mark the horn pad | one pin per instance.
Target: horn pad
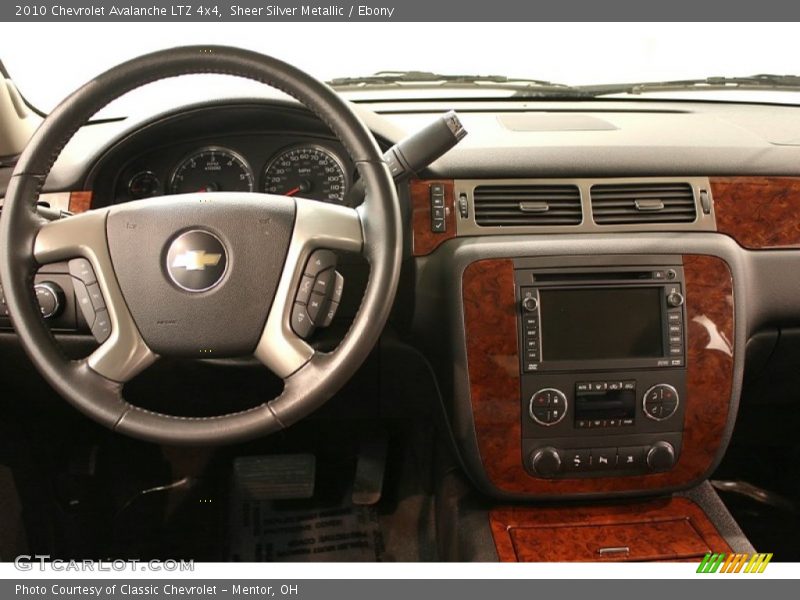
(199, 272)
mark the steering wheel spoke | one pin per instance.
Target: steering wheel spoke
(317, 226)
(123, 353)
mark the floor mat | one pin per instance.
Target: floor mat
(264, 531)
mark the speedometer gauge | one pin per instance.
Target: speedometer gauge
(212, 169)
(308, 171)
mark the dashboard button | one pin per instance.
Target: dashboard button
(547, 406)
(604, 458)
(82, 269)
(102, 326)
(630, 457)
(577, 460)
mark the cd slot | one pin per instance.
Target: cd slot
(594, 276)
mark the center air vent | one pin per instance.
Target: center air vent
(527, 205)
(626, 204)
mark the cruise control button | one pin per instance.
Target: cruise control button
(319, 261)
(82, 269)
(304, 289)
(84, 302)
(102, 326)
(96, 296)
(301, 322)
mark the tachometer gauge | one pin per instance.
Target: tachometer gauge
(212, 169)
(308, 171)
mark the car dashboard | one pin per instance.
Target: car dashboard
(590, 282)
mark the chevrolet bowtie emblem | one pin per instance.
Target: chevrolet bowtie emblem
(196, 260)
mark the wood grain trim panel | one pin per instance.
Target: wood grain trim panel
(493, 363)
(665, 529)
(424, 240)
(80, 202)
(758, 212)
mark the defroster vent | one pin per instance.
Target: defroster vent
(527, 205)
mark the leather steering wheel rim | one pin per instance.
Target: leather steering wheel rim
(305, 388)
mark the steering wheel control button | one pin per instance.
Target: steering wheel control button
(304, 290)
(548, 407)
(330, 313)
(320, 261)
(84, 302)
(96, 296)
(338, 287)
(302, 324)
(660, 402)
(316, 305)
(81, 268)
(196, 261)
(50, 297)
(102, 326)
(324, 282)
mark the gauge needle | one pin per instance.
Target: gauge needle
(292, 191)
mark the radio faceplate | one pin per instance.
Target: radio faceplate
(603, 365)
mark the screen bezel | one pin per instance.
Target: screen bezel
(663, 361)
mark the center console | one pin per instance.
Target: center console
(598, 375)
(603, 365)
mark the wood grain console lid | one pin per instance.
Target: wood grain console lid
(657, 530)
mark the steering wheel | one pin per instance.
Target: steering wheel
(149, 261)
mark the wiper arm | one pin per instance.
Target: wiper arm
(752, 82)
(425, 79)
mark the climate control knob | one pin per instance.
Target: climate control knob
(50, 297)
(661, 456)
(546, 462)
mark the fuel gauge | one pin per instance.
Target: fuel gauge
(144, 184)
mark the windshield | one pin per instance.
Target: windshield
(568, 54)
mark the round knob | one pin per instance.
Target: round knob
(50, 297)
(660, 402)
(675, 299)
(530, 303)
(546, 462)
(661, 457)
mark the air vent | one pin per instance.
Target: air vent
(626, 204)
(527, 205)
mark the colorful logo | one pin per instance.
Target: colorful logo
(734, 563)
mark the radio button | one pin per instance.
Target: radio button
(604, 458)
(577, 460)
(675, 350)
(546, 462)
(614, 386)
(628, 385)
(631, 457)
(583, 386)
(675, 299)
(674, 317)
(599, 386)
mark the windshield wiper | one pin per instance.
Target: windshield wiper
(752, 82)
(425, 79)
